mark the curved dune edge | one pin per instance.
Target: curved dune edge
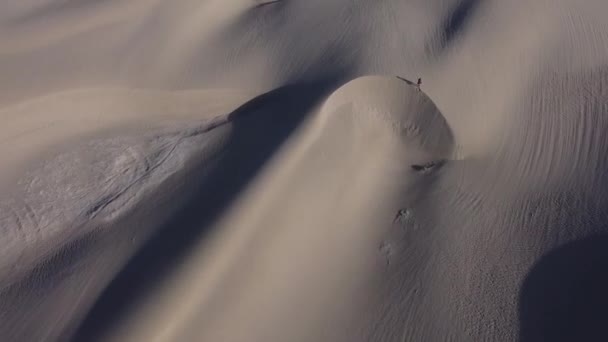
(410, 112)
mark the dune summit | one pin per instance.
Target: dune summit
(233, 170)
(398, 103)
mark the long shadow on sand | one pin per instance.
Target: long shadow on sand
(259, 127)
(565, 295)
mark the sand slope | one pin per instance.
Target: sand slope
(235, 170)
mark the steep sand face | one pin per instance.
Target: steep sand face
(236, 170)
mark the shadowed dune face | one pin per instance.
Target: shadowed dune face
(257, 129)
(565, 295)
(456, 21)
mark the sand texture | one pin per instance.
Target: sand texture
(244, 170)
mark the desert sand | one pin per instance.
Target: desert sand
(240, 170)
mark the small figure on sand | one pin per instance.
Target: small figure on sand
(419, 84)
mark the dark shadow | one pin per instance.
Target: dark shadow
(259, 127)
(272, 2)
(565, 295)
(406, 80)
(456, 20)
(428, 167)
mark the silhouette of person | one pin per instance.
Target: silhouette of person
(419, 83)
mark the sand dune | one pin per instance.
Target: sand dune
(237, 170)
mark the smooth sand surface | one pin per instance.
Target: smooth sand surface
(240, 170)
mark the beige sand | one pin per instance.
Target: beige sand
(239, 170)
